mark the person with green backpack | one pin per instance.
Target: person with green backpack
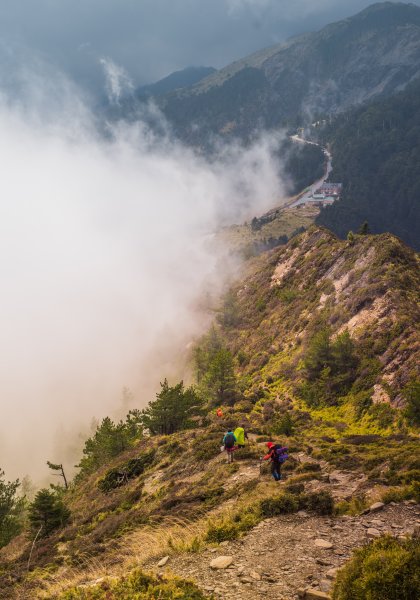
(241, 436)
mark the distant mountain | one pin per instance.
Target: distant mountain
(375, 53)
(376, 152)
(177, 80)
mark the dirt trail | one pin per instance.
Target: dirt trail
(280, 555)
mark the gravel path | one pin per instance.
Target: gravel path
(283, 554)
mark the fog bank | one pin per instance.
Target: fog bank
(105, 260)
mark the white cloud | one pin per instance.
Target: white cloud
(118, 82)
(104, 258)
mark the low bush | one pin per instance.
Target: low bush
(308, 467)
(355, 506)
(207, 448)
(295, 488)
(398, 494)
(136, 585)
(119, 476)
(230, 528)
(386, 569)
(279, 505)
(321, 503)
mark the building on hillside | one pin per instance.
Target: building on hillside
(330, 189)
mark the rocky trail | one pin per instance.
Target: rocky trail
(283, 555)
(291, 556)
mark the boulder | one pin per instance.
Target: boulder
(316, 595)
(221, 562)
(319, 543)
(373, 533)
(163, 561)
(376, 507)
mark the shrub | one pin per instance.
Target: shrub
(411, 394)
(309, 467)
(295, 488)
(231, 528)
(403, 493)
(137, 585)
(119, 476)
(386, 569)
(283, 426)
(284, 504)
(321, 503)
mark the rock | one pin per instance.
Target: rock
(302, 513)
(225, 543)
(246, 580)
(376, 506)
(315, 595)
(377, 522)
(325, 585)
(373, 533)
(163, 561)
(331, 573)
(323, 544)
(221, 562)
(255, 575)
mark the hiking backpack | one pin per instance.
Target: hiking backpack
(229, 440)
(280, 453)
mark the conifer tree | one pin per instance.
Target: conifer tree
(47, 512)
(11, 509)
(172, 410)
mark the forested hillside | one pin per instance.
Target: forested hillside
(376, 152)
(372, 54)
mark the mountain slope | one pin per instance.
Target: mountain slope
(374, 53)
(349, 447)
(179, 79)
(368, 287)
(376, 153)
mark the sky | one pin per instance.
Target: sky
(152, 38)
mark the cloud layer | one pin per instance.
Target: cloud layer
(105, 258)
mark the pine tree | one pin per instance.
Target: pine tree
(172, 410)
(220, 382)
(11, 510)
(47, 512)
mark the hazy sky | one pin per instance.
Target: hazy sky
(151, 38)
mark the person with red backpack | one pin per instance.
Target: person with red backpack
(229, 441)
(277, 454)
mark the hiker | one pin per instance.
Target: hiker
(219, 412)
(241, 436)
(277, 454)
(229, 444)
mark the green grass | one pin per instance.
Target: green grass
(136, 586)
(386, 569)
